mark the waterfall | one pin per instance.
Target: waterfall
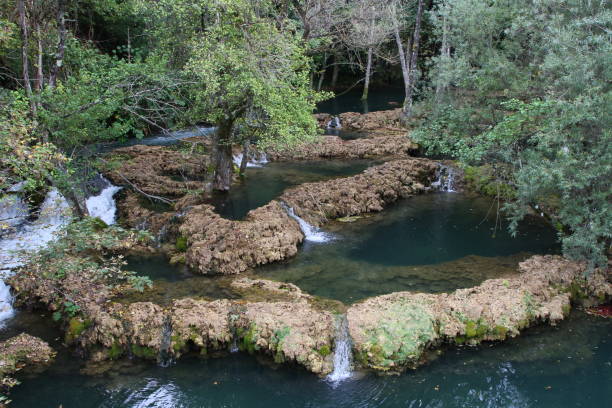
(30, 237)
(13, 211)
(334, 123)
(445, 179)
(311, 233)
(103, 205)
(259, 160)
(164, 358)
(343, 354)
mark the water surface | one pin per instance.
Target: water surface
(382, 98)
(430, 243)
(569, 365)
(262, 185)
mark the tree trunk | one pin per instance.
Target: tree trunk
(366, 85)
(61, 43)
(402, 58)
(222, 156)
(335, 73)
(408, 101)
(444, 54)
(245, 157)
(39, 60)
(23, 25)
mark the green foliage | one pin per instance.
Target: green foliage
(526, 91)
(181, 244)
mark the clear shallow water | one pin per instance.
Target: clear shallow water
(378, 99)
(262, 185)
(429, 243)
(548, 367)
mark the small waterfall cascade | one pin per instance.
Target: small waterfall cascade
(311, 233)
(164, 358)
(445, 179)
(13, 211)
(334, 123)
(103, 205)
(258, 159)
(30, 236)
(343, 354)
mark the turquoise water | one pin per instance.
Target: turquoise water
(262, 185)
(431, 243)
(548, 367)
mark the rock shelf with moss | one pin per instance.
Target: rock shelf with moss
(393, 332)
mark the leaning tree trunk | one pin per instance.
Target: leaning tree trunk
(245, 157)
(222, 156)
(412, 65)
(335, 73)
(368, 73)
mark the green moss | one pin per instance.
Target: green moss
(145, 352)
(324, 350)
(566, 309)
(98, 224)
(460, 339)
(76, 326)
(482, 180)
(178, 344)
(181, 244)
(115, 351)
(576, 292)
(475, 330)
(249, 340)
(500, 332)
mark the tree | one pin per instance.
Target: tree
(254, 79)
(370, 28)
(527, 89)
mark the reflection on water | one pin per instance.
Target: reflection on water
(378, 99)
(262, 185)
(549, 367)
(429, 243)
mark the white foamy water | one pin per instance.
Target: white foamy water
(13, 211)
(30, 237)
(445, 179)
(259, 161)
(103, 205)
(343, 354)
(311, 233)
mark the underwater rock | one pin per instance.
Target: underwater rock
(22, 351)
(333, 147)
(392, 332)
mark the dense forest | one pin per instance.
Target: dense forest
(513, 96)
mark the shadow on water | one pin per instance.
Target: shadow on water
(547, 367)
(379, 99)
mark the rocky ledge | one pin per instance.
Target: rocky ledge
(372, 121)
(269, 234)
(333, 147)
(393, 332)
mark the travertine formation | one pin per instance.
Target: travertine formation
(390, 144)
(392, 332)
(372, 121)
(268, 234)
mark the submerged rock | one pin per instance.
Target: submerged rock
(392, 332)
